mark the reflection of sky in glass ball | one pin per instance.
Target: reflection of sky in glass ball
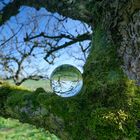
(66, 81)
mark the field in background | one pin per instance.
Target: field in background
(33, 85)
(11, 129)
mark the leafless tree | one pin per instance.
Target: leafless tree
(24, 41)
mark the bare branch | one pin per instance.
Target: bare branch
(27, 38)
(11, 37)
(79, 38)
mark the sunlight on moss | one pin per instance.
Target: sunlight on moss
(11, 86)
(118, 118)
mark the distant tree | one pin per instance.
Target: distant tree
(28, 41)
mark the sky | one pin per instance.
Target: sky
(42, 21)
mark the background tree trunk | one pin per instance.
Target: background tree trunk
(114, 57)
(119, 24)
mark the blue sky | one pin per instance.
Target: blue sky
(42, 16)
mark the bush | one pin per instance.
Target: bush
(39, 90)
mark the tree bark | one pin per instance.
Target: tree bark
(71, 8)
(120, 21)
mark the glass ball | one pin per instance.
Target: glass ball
(66, 81)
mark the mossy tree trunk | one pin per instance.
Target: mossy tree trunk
(119, 22)
(108, 107)
(115, 51)
(113, 62)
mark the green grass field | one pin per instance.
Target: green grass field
(33, 85)
(11, 129)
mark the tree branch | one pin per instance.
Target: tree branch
(72, 9)
(42, 34)
(79, 38)
(11, 37)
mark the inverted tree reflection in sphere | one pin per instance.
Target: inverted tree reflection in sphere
(66, 80)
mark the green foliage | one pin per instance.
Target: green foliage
(11, 129)
(39, 90)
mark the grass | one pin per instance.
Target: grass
(33, 85)
(11, 129)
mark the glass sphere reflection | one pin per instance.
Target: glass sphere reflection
(66, 80)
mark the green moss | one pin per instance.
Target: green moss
(103, 65)
(108, 107)
(110, 93)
